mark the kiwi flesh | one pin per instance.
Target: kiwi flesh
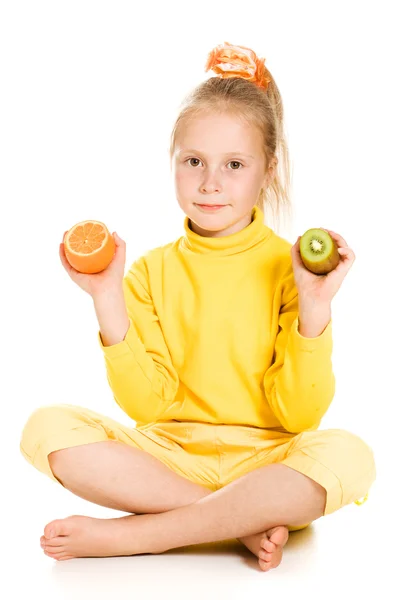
(319, 251)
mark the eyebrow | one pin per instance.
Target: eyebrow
(192, 150)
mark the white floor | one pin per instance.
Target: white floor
(353, 551)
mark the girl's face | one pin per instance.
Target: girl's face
(219, 162)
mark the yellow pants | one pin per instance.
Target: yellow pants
(212, 455)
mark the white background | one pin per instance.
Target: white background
(89, 93)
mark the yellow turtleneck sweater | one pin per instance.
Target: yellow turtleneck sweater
(214, 338)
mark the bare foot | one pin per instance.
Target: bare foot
(267, 546)
(79, 536)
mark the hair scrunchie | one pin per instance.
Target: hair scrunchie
(227, 60)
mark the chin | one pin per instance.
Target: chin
(210, 221)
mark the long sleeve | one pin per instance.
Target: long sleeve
(139, 368)
(300, 383)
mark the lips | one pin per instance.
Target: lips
(211, 206)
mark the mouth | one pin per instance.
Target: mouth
(210, 207)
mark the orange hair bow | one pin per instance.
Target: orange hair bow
(227, 60)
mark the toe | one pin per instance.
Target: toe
(53, 551)
(267, 545)
(56, 542)
(266, 556)
(278, 535)
(61, 556)
(264, 565)
(53, 554)
(55, 528)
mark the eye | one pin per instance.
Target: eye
(189, 159)
(236, 162)
(233, 162)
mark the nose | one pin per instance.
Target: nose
(210, 184)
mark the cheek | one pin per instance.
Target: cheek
(183, 178)
(179, 176)
(245, 183)
(254, 182)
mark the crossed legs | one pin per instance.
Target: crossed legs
(119, 476)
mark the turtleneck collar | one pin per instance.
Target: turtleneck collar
(248, 237)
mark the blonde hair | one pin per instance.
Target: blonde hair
(257, 106)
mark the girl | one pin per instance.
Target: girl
(218, 345)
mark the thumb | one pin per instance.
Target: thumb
(120, 245)
(119, 241)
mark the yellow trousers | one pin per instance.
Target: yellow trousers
(212, 455)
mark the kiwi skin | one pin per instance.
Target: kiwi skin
(315, 261)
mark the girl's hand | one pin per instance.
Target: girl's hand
(97, 283)
(321, 288)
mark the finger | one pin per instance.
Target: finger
(119, 241)
(338, 238)
(347, 254)
(120, 247)
(70, 270)
(347, 257)
(62, 256)
(341, 242)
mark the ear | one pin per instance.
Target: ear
(271, 172)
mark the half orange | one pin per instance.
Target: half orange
(89, 246)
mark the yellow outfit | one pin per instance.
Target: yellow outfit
(215, 373)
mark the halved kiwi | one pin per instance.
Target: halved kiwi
(318, 251)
